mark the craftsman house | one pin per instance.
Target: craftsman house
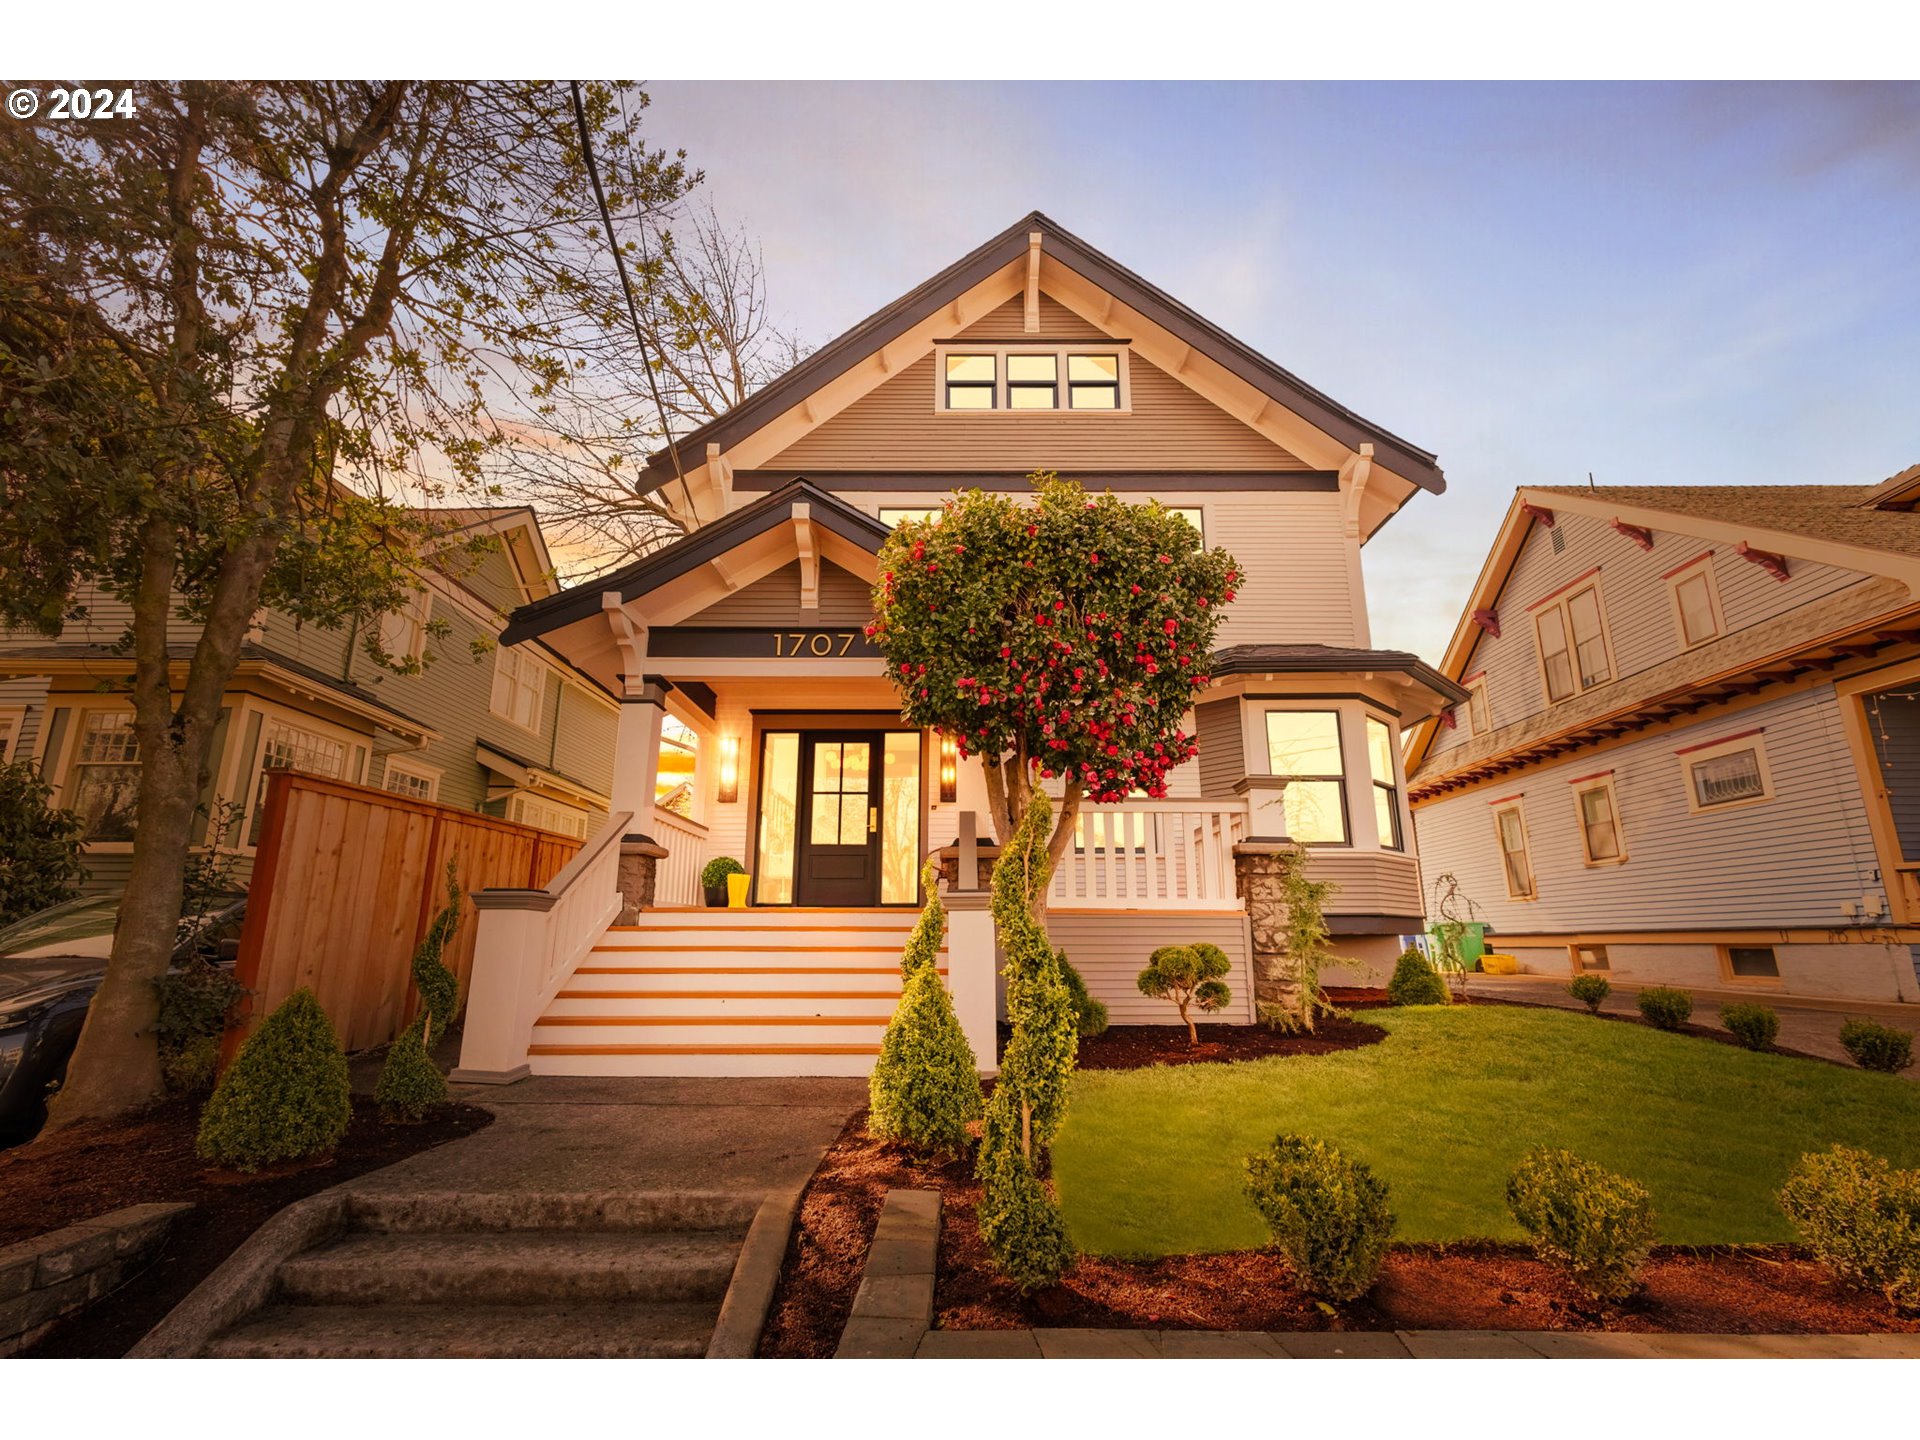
(513, 733)
(1034, 351)
(1690, 752)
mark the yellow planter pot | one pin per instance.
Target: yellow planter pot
(1496, 964)
(737, 891)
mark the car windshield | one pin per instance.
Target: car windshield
(78, 928)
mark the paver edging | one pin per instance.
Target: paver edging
(756, 1273)
(893, 1308)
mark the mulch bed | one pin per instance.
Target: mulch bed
(90, 1170)
(1751, 1290)
(1129, 1047)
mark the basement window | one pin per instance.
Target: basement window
(1751, 962)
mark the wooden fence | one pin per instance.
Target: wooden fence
(345, 881)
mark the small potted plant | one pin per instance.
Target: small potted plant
(713, 878)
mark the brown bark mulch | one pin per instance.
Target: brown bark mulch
(1476, 1286)
(1129, 1047)
(92, 1169)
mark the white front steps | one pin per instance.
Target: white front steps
(729, 992)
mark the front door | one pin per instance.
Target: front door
(839, 849)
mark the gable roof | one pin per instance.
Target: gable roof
(841, 354)
(1842, 514)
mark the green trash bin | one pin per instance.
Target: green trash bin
(1473, 943)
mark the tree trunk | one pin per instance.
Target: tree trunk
(1193, 1035)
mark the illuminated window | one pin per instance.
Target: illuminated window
(1033, 382)
(1386, 795)
(971, 382)
(1031, 377)
(673, 781)
(1303, 747)
(1093, 382)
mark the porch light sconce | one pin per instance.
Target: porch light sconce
(729, 769)
(949, 770)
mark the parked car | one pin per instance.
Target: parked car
(50, 965)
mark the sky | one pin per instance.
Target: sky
(1654, 284)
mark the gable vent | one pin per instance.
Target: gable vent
(1559, 540)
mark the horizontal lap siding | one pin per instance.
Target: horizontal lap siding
(1009, 322)
(29, 695)
(1110, 951)
(1369, 883)
(1170, 428)
(1223, 759)
(845, 599)
(1791, 861)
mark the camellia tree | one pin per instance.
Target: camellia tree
(1060, 639)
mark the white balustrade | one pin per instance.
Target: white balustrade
(527, 945)
(676, 879)
(1146, 854)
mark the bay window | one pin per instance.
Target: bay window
(1386, 793)
(105, 781)
(1303, 748)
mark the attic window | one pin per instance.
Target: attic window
(1054, 377)
(971, 382)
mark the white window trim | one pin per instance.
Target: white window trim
(396, 765)
(1000, 349)
(1699, 566)
(1690, 756)
(1497, 808)
(70, 766)
(521, 798)
(415, 612)
(525, 656)
(270, 715)
(13, 724)
(1579, 788)
(1560, 600)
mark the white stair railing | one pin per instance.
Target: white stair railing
(1151, 854)
(527, 945)
(676, 879)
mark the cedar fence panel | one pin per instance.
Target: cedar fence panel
(345, 882)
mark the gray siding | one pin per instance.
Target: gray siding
(1795, 860)
(28, 693)
(845, 599)
(1634, 593)
(1110, 951)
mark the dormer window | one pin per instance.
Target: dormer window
(1093, 382)
(1033, 382)
(972, 382)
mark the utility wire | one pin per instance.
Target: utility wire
(626, 288)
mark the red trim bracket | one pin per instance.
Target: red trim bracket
(1449, 719)
(1541, 514)
(1489, 621)
(1774, 565)
(1638, 534)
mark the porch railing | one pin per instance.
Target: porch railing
(527, 943)
(1148, 853)
(676, 880)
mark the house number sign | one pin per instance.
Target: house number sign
(791, 644)
(834, 642)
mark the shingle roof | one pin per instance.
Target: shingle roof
(1331, 659)
(1839, 513)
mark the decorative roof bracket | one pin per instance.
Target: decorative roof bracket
(1638, 534)
(1774, 565)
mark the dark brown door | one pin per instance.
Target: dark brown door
(839, 860)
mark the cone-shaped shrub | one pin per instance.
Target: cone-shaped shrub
(439, 987)
(1020, 1221)
(1089, 1013)
(925, 1089)
(923, 945)
(410, 1084)
(1416, 982)
(286, 1095)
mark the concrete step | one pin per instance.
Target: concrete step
(703, 1059)
(514, 1267)
(651, 1211)
(720, 1007)
(577, 1331)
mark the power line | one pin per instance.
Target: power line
(626, 289)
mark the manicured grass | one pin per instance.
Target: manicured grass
(1150, 1160)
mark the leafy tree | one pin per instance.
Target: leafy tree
(235, 330)
(285, 1097)
(1189, 976)
(40, 861)
(925, 1087)
(1067, 637)
(1309, 945)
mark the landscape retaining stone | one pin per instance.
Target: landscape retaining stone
(45, 1279)
(893, 1308)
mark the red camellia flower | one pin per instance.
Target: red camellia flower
(1170, 625)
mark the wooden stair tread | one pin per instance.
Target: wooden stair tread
(743, 970)
(687, 1020)
(728, 995)
(703, 1049)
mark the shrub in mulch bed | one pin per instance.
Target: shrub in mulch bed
(91, 1169)
(1479, 1286)
(1130, 1047)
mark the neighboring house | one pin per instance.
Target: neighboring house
(513, 733)
(740, 648)
(1691, 748)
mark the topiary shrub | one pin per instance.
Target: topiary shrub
(1022, 1226)
(925, 1088)
(1595, 1225)
(923, 944)
(1874, 1046)
(1754, 1026)
(1665, 1008)
(1090, 1014)
(1416, 982)
(1590, 991)
(1861, 1219)
(410, 1085)
(439, 987)
(1189, 976)
(1328, 1214)
(286, 1095)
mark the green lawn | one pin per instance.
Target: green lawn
(1150, 1160)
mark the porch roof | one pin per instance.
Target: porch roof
(1434, 689)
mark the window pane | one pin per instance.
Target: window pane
(1479, 717)
(826, 820)
(1596, 818)
(853, 770)
(1030, 397)
(970, 367)
(1093, 367)
(826, 767)
(899, 514)
(1303, 742)
(109, 737)
(979, 397)
(1380, 750)
(1696, 610)
(1753, 960)
(105, 798)
(1192, 515)
(900, 819)
(1314, 813)
(1033, 367)
(1095, 397)
(1584, 610)
(1726, 778)
(1386, 817)
(779, 799)
(853, 819)
(1593, 957)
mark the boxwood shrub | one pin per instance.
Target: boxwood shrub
(1590, 991)
(1754, 1026)
(285, 1097)
(1328, 1214)
(1591, 1223)
(1874, 1046)
(410, 1086)
(1416, 982)
(1861, 1219)
(1666, 1008)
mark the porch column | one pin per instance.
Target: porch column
(636, 754)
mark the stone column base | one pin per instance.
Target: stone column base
(640, 859)
(1259, 873)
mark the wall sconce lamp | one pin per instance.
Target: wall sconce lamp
(729, 769)
(949, 770)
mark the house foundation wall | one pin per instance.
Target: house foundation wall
(1859, 971)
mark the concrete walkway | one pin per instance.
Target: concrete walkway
(580, 1134)
(1400, 1345)
(1809, 1025)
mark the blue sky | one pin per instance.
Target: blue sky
(1654, 283)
